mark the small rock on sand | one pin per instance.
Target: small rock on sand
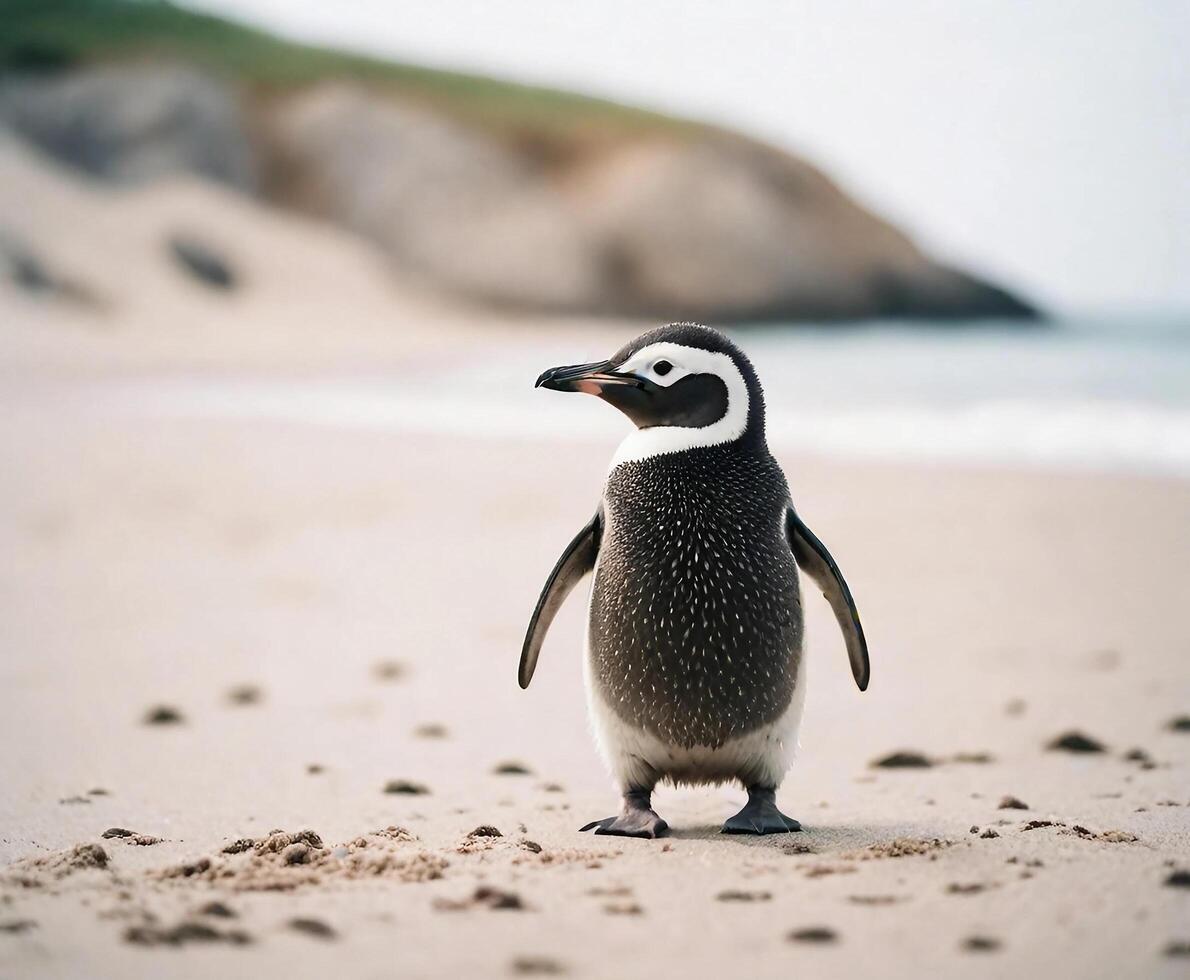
(389, 670)
(819, 935)
(512, 768)
(497, 898)
(218, 910)
(965, 888)
(202, 262)
(296, 854)
(1012, 803)
(312, 927)
(1179, 949)
(1075, 741)
(245, 694)
(430, 730)
(980, 944)
(1179, 724)
(130, 837)
(485, 830)
(1141, 758)
(904, 759)
(537, 966)
(182, 934)
(733, 895)
(485, 896)
(16, 926)
(163, 714)
(405, 787)
(1178, 879)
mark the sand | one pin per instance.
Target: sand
(259, 712)
(166, 563)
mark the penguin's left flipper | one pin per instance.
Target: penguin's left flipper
(576, 561)
(813, 558)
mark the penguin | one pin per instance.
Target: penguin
(693, 659)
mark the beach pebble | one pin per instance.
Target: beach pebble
(405, 787)
(312, 927)
(296, 854)
(980, 944)
(813, 934)
(163, 714)
(904, 759)
(1075, 741)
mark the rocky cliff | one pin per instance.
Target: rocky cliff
(500, 194)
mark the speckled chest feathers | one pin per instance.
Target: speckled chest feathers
(696, 619)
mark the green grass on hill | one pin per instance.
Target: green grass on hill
(54, 34)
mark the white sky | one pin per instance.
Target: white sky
(1046, 143)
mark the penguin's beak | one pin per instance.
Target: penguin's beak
(591, 379)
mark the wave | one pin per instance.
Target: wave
(1103, 435)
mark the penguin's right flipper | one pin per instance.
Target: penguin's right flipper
(813, 558)
(576, 561)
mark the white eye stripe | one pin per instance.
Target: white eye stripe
(660, 439)
(644, 361)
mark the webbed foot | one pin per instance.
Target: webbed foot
(636, 819)
(760, 815)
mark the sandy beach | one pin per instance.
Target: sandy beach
(329, 614)
(258, 694)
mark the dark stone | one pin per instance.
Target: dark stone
(1012, 803)
(313, 927)
(813, 934)
(512, 769)
(1077, 742)
(202, 262)
(163, 714)
(903, 760)
(405, 787)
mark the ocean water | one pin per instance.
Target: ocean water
(1104, 395)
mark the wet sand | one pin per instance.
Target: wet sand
(219, 629)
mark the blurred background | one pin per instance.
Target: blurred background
(952, 232)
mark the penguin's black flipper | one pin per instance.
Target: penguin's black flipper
(578, 559)
(813, 558)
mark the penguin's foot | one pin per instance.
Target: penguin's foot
(636, 819)
(761, 816)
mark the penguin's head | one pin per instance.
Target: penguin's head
(683, 385)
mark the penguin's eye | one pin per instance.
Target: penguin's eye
(662, 368)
